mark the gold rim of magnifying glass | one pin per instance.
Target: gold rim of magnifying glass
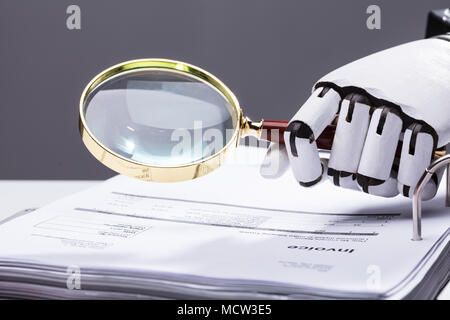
(140, 170)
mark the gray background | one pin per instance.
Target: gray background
(269, 52)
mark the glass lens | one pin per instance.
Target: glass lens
(159, 117)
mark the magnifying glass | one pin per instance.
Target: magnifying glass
(166, 121)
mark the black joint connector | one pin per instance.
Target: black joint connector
(353, 98)
(416, 128)
(337, 174)
(298, 129)
(323, 92)
(406, 191)
(382, 121)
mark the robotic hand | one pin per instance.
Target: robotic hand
(399, 94)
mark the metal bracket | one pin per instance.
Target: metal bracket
(417, 196)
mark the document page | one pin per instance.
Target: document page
(236, 231)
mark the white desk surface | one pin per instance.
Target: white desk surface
(17, 195)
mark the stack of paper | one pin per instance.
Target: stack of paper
(231, 234)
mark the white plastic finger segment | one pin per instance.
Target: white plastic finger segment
(275, 162)
(351, 130)
(417, 150)
(305, 127)
(305, 161)
(381, 143)
(349, 182)
(432, 186)
(319, 110)
(430, 189)
(386, 189)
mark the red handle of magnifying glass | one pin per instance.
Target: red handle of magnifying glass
(324, 141)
